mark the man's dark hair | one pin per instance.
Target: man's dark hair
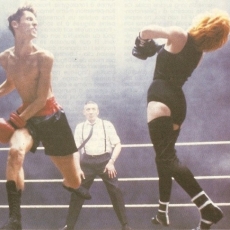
(17, 16)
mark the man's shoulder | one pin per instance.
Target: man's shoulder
(80, 125)
(108, 123)
(4, 56)
(7, 52)
(43, 53)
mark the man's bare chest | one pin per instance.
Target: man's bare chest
(23, 69)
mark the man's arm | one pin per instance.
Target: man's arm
(6, 127)
(116, 152)
(8, 85)
(175, 36)
(77, 134)
(45, 64)
(110, 168)
(115, 141)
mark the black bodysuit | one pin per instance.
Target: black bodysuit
(171, 72)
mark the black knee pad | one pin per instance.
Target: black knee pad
(160, 127)
(163, 137)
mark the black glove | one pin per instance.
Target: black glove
(145, 48)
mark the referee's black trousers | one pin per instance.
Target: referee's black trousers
(92, 167)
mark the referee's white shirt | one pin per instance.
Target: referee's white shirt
(96, 144)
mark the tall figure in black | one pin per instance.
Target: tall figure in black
(166, 110)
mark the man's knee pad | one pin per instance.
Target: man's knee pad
(163, 137)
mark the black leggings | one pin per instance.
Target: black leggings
(164, 138)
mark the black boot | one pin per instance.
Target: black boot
(14, 201)
(162, 214)
(210, 213)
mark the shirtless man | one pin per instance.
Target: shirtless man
(39, 118)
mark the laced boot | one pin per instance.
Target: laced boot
(162, 214)
(210, 213)
(14, 201)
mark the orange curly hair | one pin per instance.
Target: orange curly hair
(210, 30)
